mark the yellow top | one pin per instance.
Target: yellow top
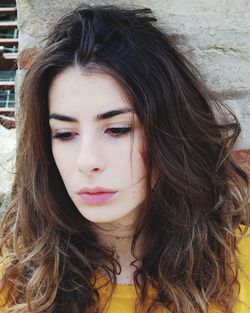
(124, 296)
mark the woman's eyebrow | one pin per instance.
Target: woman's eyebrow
(113, 113)
(62, 117)
(102, 116)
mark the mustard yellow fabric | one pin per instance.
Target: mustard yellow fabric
(243, 305)
(124, 296)
(5, 291)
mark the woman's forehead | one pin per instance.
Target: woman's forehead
(95, 93)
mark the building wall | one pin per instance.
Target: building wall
(214, 35)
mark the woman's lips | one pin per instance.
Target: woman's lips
(96, 198)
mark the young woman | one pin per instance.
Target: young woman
(126, 197)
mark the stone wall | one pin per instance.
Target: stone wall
(7, 158)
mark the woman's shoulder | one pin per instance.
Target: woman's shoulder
(244, 246)
(4, 290)
(243, 305)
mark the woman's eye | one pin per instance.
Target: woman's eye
(64, 136)
(119, 131)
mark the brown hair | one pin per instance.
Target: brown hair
(190, 216)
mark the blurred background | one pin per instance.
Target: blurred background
(8, 67)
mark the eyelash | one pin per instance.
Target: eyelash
(122, 131)
(116, 131)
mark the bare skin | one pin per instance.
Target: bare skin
(119, 234)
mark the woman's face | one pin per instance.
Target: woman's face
(92, 126)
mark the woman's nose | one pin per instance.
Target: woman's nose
(90, 157)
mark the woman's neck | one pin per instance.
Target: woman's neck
(121, 241)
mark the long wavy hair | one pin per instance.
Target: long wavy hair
(190, 216)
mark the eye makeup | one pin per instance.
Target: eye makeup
(119, 131)
(64, 136)
(115, 132)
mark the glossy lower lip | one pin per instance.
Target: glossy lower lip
(96, 198)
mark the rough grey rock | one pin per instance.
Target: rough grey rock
(7, 157)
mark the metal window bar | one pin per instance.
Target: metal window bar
(7, 14)
(7, 75)
(12, 49)
(10, 33)
(7, 99)
(7, 5)
(15, 35)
